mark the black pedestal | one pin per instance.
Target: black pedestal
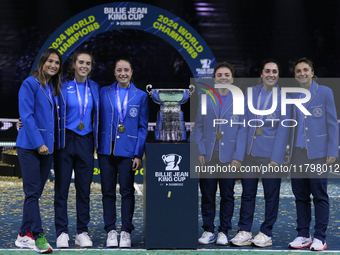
(170, 197)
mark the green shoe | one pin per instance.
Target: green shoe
(42, 246)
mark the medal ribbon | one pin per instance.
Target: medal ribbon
(121, 112)
(82, 109)
(266, 102)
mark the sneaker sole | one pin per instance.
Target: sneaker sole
(85, 246)
(324, 248)
(300, 247)
(112, 245)
(62, 246)
(241, 244)
(202, 243)
(220, 243)
(262, 245)
(49, 250)
(20, 245)
(124, 246)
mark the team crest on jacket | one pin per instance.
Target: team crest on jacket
(317, 112)
(133, 112)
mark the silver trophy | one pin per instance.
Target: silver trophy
(170, 125)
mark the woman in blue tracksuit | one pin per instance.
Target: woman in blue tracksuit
(123, 128)
(76, 140)
(37, 103)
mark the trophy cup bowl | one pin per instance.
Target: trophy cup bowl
(170, 125)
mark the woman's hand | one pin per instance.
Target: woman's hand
(43, 150)
(137, 163)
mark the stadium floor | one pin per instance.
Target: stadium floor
(11, 200)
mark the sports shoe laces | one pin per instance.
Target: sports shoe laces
(41, 240)
(261, 236)
(112, 235)
(86, 235)
(240, 234)
(64, 235)
(300, 239)
(125, 236)
(205, 234)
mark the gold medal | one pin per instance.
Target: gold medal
(259, 131)
(81, 126)
(219, 136)
(121, 128)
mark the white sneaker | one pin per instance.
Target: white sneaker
(301, 242)
(262, 240)
(222, 239)
(206, 238)
(83, 240)
(125, 240)
(62, 240)
(242, 238)
(111, 240)
(26, 241)
(318, 245)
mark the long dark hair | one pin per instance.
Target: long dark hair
(41, 76)
(71, 71)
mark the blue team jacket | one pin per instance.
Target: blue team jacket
(321, 129)
(37, 114)
(130, 143)
(232, 145)
(273, 142)
(61, 134)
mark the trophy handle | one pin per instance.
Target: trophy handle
(148, 89)
(191, 89)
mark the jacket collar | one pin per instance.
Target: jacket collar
(313, 88)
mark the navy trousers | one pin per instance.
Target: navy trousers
(35, 169)
(78, 154)
(208, 188)
(271, 188)
(303, 185)
(111, 166)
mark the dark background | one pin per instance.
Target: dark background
(242, 32)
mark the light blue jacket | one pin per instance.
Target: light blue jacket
(273, 142)
(321, 129)
(130, 143)
(61, 134)
(232, 145)
(37, 113)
